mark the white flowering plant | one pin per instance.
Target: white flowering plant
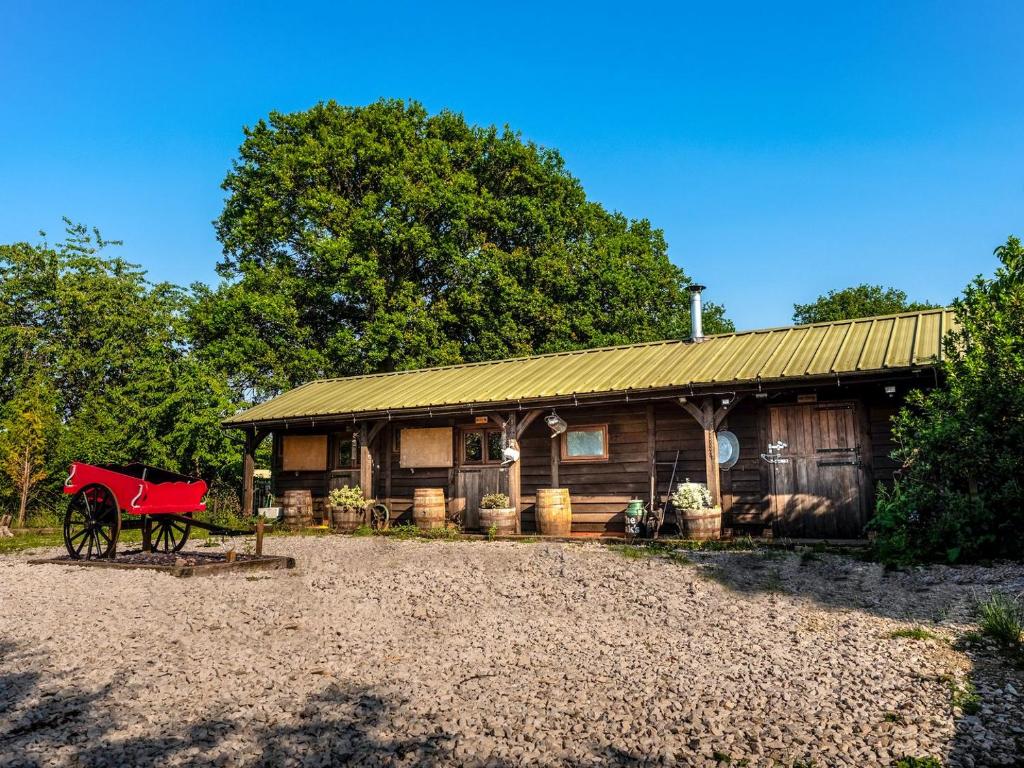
(691, 496)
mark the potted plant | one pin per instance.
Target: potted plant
(348, 508)
(698, 518)
(496, 516)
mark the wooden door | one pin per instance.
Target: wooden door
(473, 484)
(818, 491)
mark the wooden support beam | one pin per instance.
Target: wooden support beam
(652, 458)
(365, 461)
(724, 410)
(705, 415)
(528, 418)
(556, 457)
(386, 459)
(248, 469)
(515, 474)
(375, 430)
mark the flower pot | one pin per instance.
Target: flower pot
(503, 519)
(702, 524)
(347, 519)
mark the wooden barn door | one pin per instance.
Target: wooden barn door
(472, 485)
(820, 491)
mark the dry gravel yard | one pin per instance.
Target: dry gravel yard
(386, 652)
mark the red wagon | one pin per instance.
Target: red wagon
(107, 498)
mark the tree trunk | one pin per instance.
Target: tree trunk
(26, 481)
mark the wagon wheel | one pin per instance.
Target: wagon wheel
(92, 523)
(379, 517)
(169, 534)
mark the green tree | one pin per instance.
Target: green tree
(124, 383)
(27, 428)
(858, 301)
(374, 238)
(961, 494)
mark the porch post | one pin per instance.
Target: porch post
(514, 474)
(248, 468)
(710, 419)
(365, 462)
(711, 453)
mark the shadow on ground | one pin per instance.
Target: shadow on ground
(930, 598)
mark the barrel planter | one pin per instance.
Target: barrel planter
(554, 512)
(428, 508)
(347, 519)
(502, 519)
(702, 524)
(298, 509)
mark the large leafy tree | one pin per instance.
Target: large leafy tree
(373, 238)
(95, 365)
(857, 301)
(961, 494)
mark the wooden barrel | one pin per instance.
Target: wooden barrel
(428, 508)
(554, 512)
(702, 524)
(346, 520)
(298, 509)
(503, 520)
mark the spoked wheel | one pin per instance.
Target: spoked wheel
(168, 534)
(92, 523)
(379, 517)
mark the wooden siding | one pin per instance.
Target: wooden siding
(601, 490)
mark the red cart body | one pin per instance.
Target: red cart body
(140, 489)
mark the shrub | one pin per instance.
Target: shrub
(492, 532)
(494, 501)
(960, 496)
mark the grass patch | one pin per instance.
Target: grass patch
(446, 533)
(1001, 619)
(648, 551)
(24, 541)
(892, 717)
(363, 530)
(918, 762)
(809, 556)
(964, 696)
(912, 633)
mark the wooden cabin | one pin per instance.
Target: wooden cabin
(789, 427)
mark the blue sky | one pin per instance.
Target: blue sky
(784, 148)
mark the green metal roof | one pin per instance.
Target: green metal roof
(850, 347)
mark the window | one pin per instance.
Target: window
(481, 446)
(346, 450)
(588, 443)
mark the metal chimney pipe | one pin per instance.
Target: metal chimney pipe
(696, 313)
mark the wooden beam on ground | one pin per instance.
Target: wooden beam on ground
(526, 421)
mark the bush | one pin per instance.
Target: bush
(960, 496)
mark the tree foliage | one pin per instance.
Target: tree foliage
(961, 494)
(95, 364)
(360, 239)
(857, 301)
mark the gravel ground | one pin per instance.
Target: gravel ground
(384, 652)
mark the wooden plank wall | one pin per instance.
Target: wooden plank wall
(601, 490)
